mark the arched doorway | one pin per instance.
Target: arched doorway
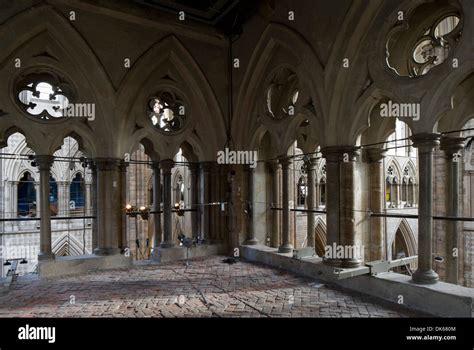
(404, 245)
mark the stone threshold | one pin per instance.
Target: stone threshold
(441, 299)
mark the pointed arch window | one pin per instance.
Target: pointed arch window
(392, 185)
(179, 189)
(302, 191)
(26, 194)
(322, 192)
(404, 194)
(53, 196)
(77, 193)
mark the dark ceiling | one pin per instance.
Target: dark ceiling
(223, 14)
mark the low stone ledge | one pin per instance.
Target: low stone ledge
(441, 299)
(179, 253)
(81, 264)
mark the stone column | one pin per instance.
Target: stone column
(251, 239)
(214, 198)
(333, 158)
(44, 164)
(452, 146)
(311, 200)
(167, 166)
(95, 236)
(347, 206)
(233, 239)
(157, 204)
(317, 194)
(225, 206)
(109, 209)
(38, 201)
(205, 219)
(193, 173)
(425, 143)
(87, 203)
(63, 202)
(14, 198)
(377, 202)
(275, 169)
(123, 241)
(286, 246)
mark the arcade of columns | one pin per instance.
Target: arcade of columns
(341, 166)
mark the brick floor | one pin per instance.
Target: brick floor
(207, 288)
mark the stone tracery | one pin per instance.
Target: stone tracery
(289, 200)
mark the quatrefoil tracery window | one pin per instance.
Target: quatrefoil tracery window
(44, 96)
(431, 46)
(282, 94)
(167, 112)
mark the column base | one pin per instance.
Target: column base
(252, 241)
(351, 263)
(332, 262)
(167, 245)
(106, 251)
(425, 277)
(46, 256)
(286, 248)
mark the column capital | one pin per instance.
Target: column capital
(284, 161)
(166, 165)
(222, 169)
(274, 165)
(92, 166)
(452, 145)
(375, 155)
(193, 167)
(248, 168)
(123, 166)
(107, 164)
(337, 153)
(44, 162)
(155, 166)
(206, 166)
(425, 142)
(310, 163)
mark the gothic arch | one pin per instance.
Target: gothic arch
(189, 151)
(272, 52)
(174, 69)
(81, 134)
(368, 121)
(14, 166)
(22, 173)
(52, 45)
(396, 166)
(432, 91)
(74, 174)
(461, 106)
(409, 163)
(11, 129)
(407, 236)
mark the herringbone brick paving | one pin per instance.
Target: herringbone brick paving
(207, 288)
